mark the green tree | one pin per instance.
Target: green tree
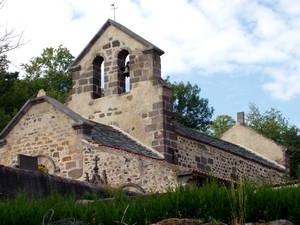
(220, 125)
(190, 109)
(273, 125)
(50, 72)
(7, 81)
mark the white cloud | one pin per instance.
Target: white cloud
(286, 82)
(233, 37)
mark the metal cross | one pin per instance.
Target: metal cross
(114, 8)
(96, 168)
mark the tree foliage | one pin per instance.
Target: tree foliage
(50, 72)
(190, 109)
(273, 125)
(7, 81)
(220, 125)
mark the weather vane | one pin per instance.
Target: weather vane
(114, 8)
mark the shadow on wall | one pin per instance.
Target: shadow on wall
(39, 185)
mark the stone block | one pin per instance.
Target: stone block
(157, 105)
(153, 113)
(151, 127)
(87, 88)
(75, 173)
(137, 73)
(203, 160)
(157, 119)
(116, 43)
(135, 80)
(200, 166)
(79, 90)
(142, 58)
(83, 81)
(66, 159)
(70, 165)
(106, 46)
(109, 52)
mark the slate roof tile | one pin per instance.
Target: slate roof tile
(111, 137)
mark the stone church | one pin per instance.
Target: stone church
(117, 126)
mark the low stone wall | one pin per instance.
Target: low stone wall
(37, 184)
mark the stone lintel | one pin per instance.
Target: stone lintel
(153, 49)
(83, 125)
(75, 68)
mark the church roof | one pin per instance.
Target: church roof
(219, 143)
(109, 22)
(109, 136)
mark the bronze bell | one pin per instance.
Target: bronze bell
(126, 70)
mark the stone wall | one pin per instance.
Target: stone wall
(222, 164)
(44, 131)
(122, 168)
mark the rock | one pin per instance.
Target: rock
(281, 222)
(275, 222)
(175, 221)
(119, 223)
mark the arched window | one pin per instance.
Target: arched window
(124, 72)
(98, 77)
(127, 78)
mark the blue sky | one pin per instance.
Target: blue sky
(237, 51)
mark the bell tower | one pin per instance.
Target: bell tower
(119, 58)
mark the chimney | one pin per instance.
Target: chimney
(240, 117)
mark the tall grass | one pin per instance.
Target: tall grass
(211, 202)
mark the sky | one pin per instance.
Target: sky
(237, 51)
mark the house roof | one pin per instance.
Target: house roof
(219, 143)
(258, 133)
(102, 134)
(108, 136)
(109, 22)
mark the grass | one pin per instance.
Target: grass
(212, 202)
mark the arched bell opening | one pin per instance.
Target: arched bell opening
(98, 78)
(126, 75)
(124, 71)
